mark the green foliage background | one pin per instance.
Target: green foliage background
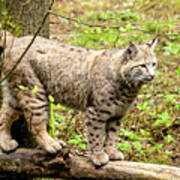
(151, 130)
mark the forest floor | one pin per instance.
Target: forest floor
(151, 130)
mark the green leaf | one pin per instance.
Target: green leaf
(145, 133)
(63, 107)
(35, 90)
(73, 141)
(98, 29)
(177, 106)
(126, 146)
(143, 106)
(137, 145)
(58, 117)
(83, 146)
(51, 99)
(104, 15)
(23, 88)
(157, 147)
(167, 152)
(178, 72)
(168, 139)
(164, 119)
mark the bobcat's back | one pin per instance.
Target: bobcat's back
(65, 71)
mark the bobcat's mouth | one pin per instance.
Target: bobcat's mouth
(148, 78)
(142, 79)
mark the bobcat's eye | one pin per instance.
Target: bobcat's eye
(154, 64)
(143, 65)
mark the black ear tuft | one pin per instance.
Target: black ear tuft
(153, 43)
(1, 49)
(131, 51)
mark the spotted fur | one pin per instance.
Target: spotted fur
(101, 83)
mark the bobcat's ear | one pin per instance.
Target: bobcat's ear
(153, 43)
(130, 52)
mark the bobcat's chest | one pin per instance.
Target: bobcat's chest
(121, 110)
(124, 103)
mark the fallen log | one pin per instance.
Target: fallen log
(29, 163)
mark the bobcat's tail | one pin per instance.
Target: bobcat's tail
(2, 45)
(2, 33)
(1, 50)
(6, 39)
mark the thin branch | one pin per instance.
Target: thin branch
(79, 22)
(109, 27)
(30, 44)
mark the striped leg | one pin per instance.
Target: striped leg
(112, 132)
(36, 111)
(8, 114)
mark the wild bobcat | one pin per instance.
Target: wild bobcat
(103, 84)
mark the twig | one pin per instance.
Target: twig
(31, 42)
(110, 27)
(175, 118)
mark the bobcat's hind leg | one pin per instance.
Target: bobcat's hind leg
(112, 136)
(36, 111)
(8, 114)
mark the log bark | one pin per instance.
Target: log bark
(28, 163)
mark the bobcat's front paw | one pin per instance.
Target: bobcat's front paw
(9, 145)
(55, 146)
(99, 159)
(115, 154)
(49, 144)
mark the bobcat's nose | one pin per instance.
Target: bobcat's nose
(150, 77)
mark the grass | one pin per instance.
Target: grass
(150, 131)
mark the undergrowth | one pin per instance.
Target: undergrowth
(150, 131)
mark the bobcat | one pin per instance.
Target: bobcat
(101, 83)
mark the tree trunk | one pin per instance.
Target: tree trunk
(27, 163)
(29, 15)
